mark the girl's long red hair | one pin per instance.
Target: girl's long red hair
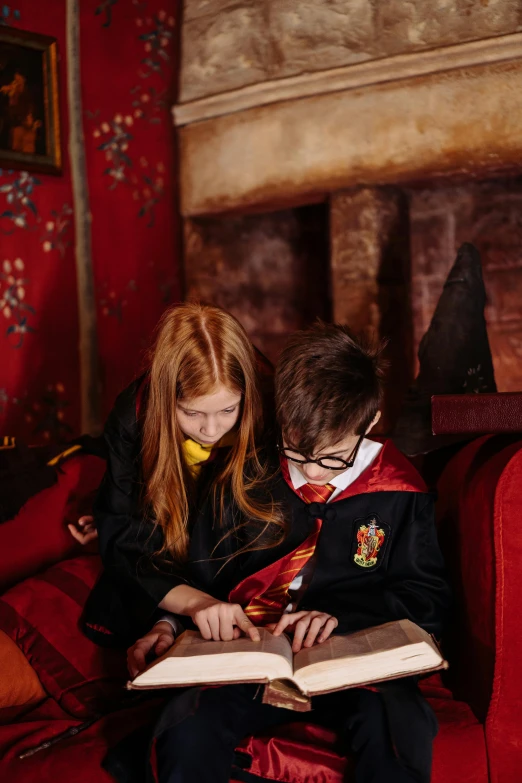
(199, 347)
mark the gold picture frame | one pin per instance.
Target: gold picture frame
(29, 102)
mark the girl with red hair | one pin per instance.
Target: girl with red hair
(181, 436)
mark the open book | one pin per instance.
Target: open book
(382, 653)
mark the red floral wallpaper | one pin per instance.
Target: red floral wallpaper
(127, 90)
(127, 76)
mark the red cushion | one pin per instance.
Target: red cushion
(479, 510)
(76, 759)
(291, 752)
(20, 688)
(503, 722)
(42, 615)
(38, 536)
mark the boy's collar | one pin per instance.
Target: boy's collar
(390, 471)
(366, 454)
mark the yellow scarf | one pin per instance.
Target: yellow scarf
(195, 454)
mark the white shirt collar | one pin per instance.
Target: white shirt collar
(368, 450)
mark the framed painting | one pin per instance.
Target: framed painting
(29, 107)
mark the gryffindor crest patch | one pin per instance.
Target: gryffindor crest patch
(371, 539)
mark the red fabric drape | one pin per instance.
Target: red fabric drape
(39, 378)
(127, 71)
(128, 62)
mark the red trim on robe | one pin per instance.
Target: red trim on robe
(99, 628)
(153, 760)
(140, 393)
(390, 471)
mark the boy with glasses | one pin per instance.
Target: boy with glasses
(360, 550)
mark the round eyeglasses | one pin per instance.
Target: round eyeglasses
(328, 463)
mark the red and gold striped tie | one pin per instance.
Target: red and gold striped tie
(268, 607)
(312, 493)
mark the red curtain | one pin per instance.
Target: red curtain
(127, 74)
(127, 78)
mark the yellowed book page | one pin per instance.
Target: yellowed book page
(371, 640)
(417, 634)
(191, 643)
(194, 660)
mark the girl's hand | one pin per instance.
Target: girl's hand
(222, 621)
(84, 530)
(308, 627)
(159, 639)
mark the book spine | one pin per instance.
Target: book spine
(286, 696)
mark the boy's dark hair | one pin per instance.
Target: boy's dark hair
(328, 384)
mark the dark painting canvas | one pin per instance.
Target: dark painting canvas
(29, 128)
(22, 107)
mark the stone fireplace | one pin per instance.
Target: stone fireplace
(270, 270)
(334, 155)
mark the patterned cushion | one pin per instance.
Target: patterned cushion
(19, 683)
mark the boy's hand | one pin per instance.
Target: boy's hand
(84, 530)
(159, 639)
(222, 621)
(308, 627)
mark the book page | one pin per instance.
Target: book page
(193, 660)
(191, 643)
(380, 639)
(385, 652)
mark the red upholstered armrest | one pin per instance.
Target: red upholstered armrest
(477, 414)
(480, 513)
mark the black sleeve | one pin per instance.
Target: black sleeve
(128, 539)
(415, 586)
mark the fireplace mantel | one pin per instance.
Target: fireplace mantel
(455, 110)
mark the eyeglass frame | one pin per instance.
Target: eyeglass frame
(346, 463)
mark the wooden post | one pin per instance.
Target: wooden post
(91, 422)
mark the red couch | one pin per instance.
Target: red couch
(480, 507)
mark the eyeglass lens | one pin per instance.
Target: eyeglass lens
(332, 463)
